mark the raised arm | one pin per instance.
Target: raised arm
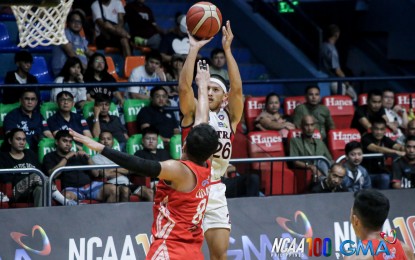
(235, 97)
(202, 81)
(186, 96)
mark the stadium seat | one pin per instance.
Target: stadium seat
(6, 44)
(276, 178)
(341, 110)
(132, 62)
(112, 69)
(176, 146)
(239, 144)
(40, 70)
(290, 103)
(338, 138)
(362, 99)
(4, 109)
(134, 143)
(48, 109)
(131, 108)
(88, 109)
(7, 189)
(252, 108)
(402, 99)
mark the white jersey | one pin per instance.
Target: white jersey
(222, 124)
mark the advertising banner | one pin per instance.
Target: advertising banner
(311, 226)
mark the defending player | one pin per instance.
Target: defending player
(369, 212)
(183, 189)
(216, 223)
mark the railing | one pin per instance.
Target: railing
(253, 82)
(368, 155)
(30, 170)
(60, 170)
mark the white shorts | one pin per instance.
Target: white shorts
(217, 213)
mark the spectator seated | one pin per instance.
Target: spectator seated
(48, 109)
(88, 109)
(134, 143)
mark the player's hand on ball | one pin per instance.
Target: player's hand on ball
(197, 43)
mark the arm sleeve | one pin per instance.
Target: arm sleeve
(143, 167)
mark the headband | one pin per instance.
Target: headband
(220, 83)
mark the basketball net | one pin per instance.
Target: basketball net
(42, 25)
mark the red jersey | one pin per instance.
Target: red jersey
(396, 251)
(177, 227)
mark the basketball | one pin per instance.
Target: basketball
(203, 20)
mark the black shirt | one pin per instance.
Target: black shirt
(8, 162)
(114, 126)
(363, 111)
(160, 155)
(74, 178)
(163, 120)
(375, 165)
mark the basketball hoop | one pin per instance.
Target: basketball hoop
(42, 22)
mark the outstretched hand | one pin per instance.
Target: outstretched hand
(203, 75)
(227, 36)
(90, 143)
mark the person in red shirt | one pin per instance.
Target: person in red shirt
(183, 189)
(369, 212)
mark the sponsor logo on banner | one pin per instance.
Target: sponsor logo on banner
(23, 253)
(267, 140)
(297, 242)
(332, 102)
(346, 137)
(255, 105)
